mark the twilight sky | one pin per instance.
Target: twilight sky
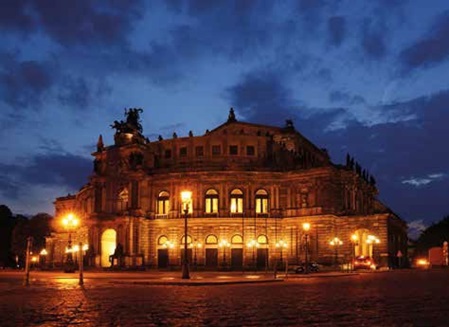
(365, 77)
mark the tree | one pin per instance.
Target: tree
(433, 236)
(6, 226)
(38, 227)
(19, 236)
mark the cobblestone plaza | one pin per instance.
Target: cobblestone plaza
(391, 298)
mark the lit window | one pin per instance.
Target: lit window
(237, 239)
(250, 150)
(216, 150)
(211, 205)
(236, 201)
(261, 201)
(189, 239)
(162, 240)
(211, 239)
(163, 203)
(233, 150)
(262, 239)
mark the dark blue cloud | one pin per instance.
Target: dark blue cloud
(431, 49)
(14, 16)
(8, 187)
(51, 169)
(22, 83)
(345, 98)
(261, 96)
(372, 39)
(336, 27)
(85, 22)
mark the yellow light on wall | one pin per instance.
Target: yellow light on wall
(335, 241)
(224, 243)
(186, 199)
(70, 221)
(306, 227)
(372, 239)
(252, 244)
(43, 252)
(186, 196)
(281, 244)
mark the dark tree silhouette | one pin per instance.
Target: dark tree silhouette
(7, 222)
(433, 236)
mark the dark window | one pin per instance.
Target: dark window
(216, 150)
(135, 194)
(167, 154)
(183, 152)
(233, 150)
(199, 151)
(250, 150)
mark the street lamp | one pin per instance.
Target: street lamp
(70, 222)
(196, 245)
(253, 244)
(42, 258)
(354, 241)
(224, 244)
(336, 242)
(306, 228)
(281, 244)
(186, 198)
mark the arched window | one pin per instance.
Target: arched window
(189, 239)
(163, 203)
(237, 239)
(211, 239)
(236, 201)
(122, 199)
(261, 201)
(162, 240)
(262, 239)
(211, 201)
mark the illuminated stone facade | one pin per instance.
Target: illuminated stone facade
(253, 186)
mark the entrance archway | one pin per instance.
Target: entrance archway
(362, 246)
(108, 244)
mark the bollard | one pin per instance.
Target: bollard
(81, 263)
(26, 282)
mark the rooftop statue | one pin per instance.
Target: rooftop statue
(132, 123)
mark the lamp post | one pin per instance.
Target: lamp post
(224, 244)
(306, 228)
(186, 198)
(70, 222)
(196, 245)
(281, 244)
(336, 242)
(354, 241)
(42, 258)
(253, 244)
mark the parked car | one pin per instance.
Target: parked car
(312, 267)
(421, 263)
(364, 262)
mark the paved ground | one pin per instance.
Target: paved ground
(395, 298)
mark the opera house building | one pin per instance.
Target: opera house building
(243, 196)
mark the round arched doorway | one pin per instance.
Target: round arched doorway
(108, 244)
